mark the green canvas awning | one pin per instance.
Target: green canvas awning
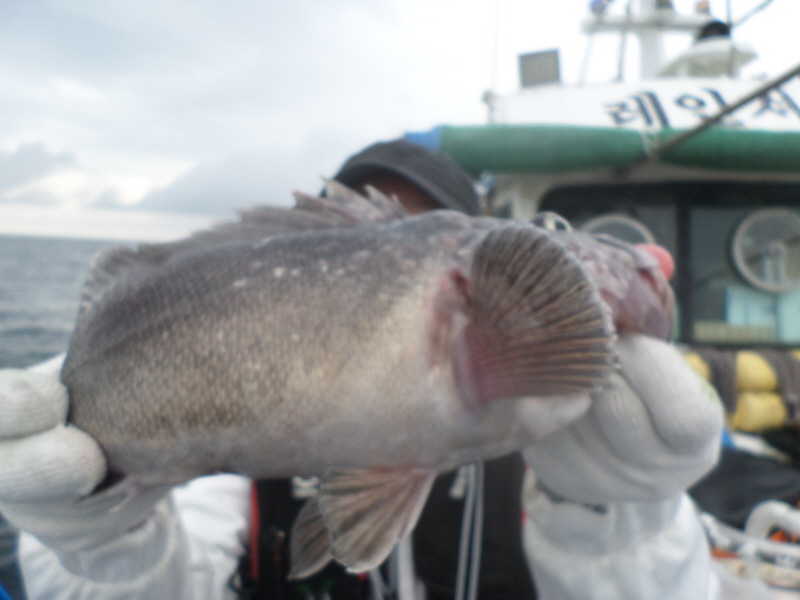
(559, 148)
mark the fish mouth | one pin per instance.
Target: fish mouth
(655, 266)
(659, 274)
(666, 263)
(648, 304)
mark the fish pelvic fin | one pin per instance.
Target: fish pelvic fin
(537, 325)
(310, 546)
(368, 511)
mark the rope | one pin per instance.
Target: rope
(469, 549)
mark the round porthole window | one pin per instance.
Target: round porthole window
(766, 249)
(621, 227)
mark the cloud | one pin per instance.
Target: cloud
(108, 199)
(213, 188)
(182, 80)
(28, 163)
(32, 198)
(146, 91)
(261, 176)
(219, 188)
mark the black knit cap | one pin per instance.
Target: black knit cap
(434, 172)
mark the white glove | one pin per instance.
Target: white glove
(47, 467)
(648, 436)
(608, 517)
(626, 551)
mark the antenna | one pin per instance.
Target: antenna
(758, 8)
(495, 45)
(489, 96)
(623, 42)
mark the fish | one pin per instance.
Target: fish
(644, 303)
(344, 339)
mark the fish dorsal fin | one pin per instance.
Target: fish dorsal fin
(537, 324)
(390, 206)
(375, 207)
(336, 212)
(310, 541)
(255, 223)
(368, 511)
(341, 207)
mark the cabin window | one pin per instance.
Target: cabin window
(736, 248)
(746, 283)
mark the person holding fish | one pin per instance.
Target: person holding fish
(351, 340)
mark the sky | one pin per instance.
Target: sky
(149, 119)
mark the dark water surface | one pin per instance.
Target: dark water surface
(40, 288)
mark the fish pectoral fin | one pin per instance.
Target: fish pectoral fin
(310, 547)
(537, 324)
(369, 511)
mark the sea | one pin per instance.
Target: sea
(40, 289)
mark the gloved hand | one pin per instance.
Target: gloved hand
(47, 467)
(648, 436)
(607, 513)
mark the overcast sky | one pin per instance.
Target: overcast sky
(200, 106)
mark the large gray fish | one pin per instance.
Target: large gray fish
(343, 339)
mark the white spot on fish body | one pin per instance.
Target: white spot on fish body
(255, 265)
(278, 272)
(294, 272)
(323, 266)
(239, 283)
(261, 243)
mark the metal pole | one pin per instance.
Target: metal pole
(758, 8)
(673, 142)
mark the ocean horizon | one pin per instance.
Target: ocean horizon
(41, 279)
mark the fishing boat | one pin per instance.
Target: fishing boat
(690, 155)
(675, 157)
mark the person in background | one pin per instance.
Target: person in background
(421, 179)
(604, 516)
